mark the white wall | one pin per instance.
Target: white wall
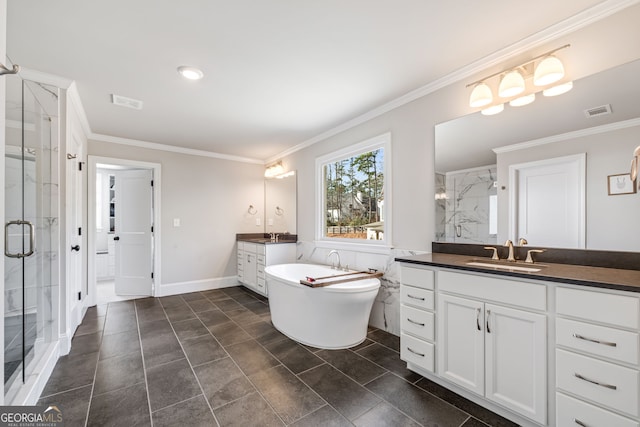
(210, 196)
(3, 54)
(610, 219)
(599, 46)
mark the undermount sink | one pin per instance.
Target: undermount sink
(507, 267)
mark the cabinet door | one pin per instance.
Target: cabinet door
(250, 269)
(461, 342)
(516, 360)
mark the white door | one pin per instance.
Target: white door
(516, 360)
(461, 342)
(133, 234)
(548, 204)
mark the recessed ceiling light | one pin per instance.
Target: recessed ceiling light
(191, 73)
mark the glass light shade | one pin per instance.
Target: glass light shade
(480, 96)
(523, 100)
(548, 71)
(558, 90)
(191, 73)
(511, 84)
(494, 109)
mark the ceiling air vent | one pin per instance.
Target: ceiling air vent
(598, 111)
(123, 101)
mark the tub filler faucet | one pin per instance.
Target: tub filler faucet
(334, 252)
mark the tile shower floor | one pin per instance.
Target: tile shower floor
(213, 358)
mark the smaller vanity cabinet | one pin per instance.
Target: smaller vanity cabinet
(492, 340)
(254, 257)
(597, 360)
(417, 317)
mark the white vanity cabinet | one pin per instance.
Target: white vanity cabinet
(597, 346)
(496, 351)
(254, 257)
(417, 317)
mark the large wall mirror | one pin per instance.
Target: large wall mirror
(554, 172)
(280, 204)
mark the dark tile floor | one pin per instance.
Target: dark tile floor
(213, 358)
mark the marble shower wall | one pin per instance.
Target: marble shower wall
(466, 206)
(385, 313)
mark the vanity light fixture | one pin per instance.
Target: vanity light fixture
(274, 170)
(481, 95)
(512, 84)
(558, 90)
(521, 82)
(523, 100)
(494, 109)
(548, 71)
(191, 73)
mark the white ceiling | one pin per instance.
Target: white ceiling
(277, 72)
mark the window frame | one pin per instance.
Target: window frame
(374, 246)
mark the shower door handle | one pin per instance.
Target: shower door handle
(31, 239)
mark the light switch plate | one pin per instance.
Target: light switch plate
(176, 222)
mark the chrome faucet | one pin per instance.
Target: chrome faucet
(511, 257)
(337, 257)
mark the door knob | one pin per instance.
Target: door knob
(75, 248)
(116, 238)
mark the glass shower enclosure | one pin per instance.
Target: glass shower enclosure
(31, 232)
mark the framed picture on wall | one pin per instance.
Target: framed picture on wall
(621, 184)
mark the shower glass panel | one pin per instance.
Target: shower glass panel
(31, 231)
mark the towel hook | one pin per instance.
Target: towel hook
(252, 210)
(4, 70)
(279, 211)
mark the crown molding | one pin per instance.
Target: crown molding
(45, 78)
(560, 29)
(568, 135)
(170, 148)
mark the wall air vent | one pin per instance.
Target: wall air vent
(601, 110)
(123, 101)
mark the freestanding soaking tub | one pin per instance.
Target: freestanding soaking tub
(331, 317)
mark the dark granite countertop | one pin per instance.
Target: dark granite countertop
(611, 278)
(265, 239)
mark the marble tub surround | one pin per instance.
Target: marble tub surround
(592, 258)
(385, 313)
(266, 238)
(610, 278)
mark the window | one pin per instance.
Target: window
(353, 194)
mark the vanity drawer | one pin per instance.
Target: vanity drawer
(416, 297)
(598, 340)
(417, 351)
(523, 294)
(260, 271)
(417, 322)
(623, 383)
(260, 258)
(261, 249)
(417, 277)
(618, 310)
(262, 286)
(572, 412)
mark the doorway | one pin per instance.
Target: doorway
(124, 236)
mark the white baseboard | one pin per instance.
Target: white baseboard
(166, 289)
(64, 342)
